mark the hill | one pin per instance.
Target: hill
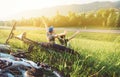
(64, 9)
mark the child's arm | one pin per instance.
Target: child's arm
(45, 24)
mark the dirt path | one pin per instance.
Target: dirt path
(101, 31)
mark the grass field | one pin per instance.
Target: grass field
(98, 53)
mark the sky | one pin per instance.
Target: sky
(10, 7)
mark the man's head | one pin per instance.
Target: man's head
(51, 29)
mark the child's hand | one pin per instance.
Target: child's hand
(65, 32)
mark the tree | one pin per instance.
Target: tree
(118, 20)
(111, 20)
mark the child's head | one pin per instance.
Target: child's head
(50, 29)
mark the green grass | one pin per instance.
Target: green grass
(98, 53)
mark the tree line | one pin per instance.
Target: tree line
(101, 18)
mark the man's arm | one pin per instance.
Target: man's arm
(62, 34)
(58, 35)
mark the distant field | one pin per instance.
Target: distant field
(98, 53)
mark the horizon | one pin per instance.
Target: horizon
(17, 6)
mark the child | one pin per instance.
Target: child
(51, 35)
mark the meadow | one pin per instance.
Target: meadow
(98, 53)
